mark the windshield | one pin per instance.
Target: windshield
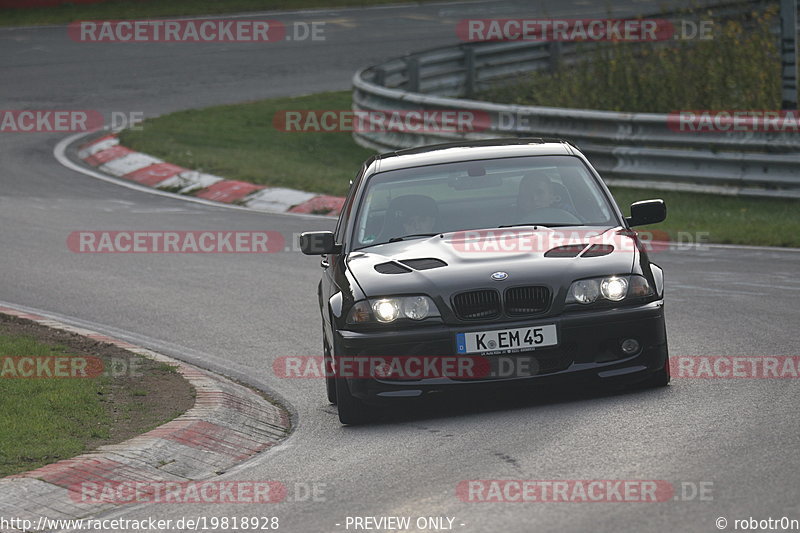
(419, 201)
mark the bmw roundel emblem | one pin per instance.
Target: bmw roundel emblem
(499, 276)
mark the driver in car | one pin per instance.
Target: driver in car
(538, 201)
(536, 191)
(418, 222)
(412, 214)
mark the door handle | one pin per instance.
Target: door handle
(324, 262)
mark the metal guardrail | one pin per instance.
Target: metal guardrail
(627, 148)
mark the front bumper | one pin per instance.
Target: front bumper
(588, 350)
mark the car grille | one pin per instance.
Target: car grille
(475, 305)
(485, 304)
(527, 300)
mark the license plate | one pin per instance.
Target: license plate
(502, 341)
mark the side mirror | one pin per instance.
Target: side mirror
(647, 212)
(319, 243)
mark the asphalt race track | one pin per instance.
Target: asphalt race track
(235, 313)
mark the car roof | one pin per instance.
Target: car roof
(470, 151)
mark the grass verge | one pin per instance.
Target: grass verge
(240, 142)
(46, 419)
(693, 217)
(131, 9)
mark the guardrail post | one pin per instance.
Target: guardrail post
(380, 76)
(412, 70)
(554, 48)
(789, 54)
(469, 72)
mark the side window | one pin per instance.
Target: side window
(341, 225)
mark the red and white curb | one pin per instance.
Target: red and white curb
(107, 155)
(228, 424)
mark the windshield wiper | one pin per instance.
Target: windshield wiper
(412, 236)
(558, 225)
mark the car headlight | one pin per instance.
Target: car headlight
(386, 310)
(417, 307)
(584, 291)
(614, 288)
(611, 288)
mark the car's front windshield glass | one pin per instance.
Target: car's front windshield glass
(426, 200)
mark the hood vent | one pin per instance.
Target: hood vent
(424, 264)
(570, 250)
(406, 266)
(598, 250)
(392, 268)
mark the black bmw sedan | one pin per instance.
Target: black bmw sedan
(480, 264)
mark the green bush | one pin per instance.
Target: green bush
(739, 68)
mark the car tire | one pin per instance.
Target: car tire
(352, 411)
(330, 378)
(330, 381)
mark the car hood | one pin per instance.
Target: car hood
(467, 260)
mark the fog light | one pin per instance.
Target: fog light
(382, 370)
(630, 346)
